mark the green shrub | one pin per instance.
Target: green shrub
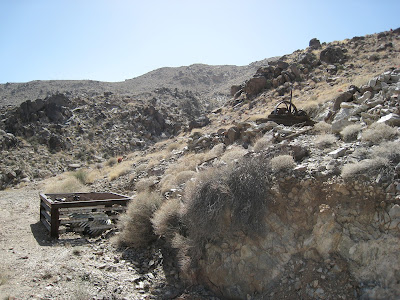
(378, 132)
(350, 133)
(135, 225)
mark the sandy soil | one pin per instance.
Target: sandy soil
(34, 266)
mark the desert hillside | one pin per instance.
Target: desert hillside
(227, 201)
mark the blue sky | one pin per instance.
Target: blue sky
(119, 39)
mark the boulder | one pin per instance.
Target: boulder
(343, 97)
(255, 85)
(390, 119)
(332, 55)
(315, 43)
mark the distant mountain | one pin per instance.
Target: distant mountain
(207, 81)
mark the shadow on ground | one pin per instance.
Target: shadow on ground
(42, 236)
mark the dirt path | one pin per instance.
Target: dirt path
(33, 266)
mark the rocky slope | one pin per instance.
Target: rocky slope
(331, 227)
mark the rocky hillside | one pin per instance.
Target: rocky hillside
(211, 82)
(248, 207)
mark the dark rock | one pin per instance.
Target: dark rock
(306, 59)
(232, 134)
(343, 97)
(235, 89)
(199, 122)
(383, 47)
(332, 55)
(255, 85)
(56, 143)
(315, 43)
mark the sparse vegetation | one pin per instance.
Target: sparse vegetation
(81, 175)
(325, 140)
(263, 142)
(119, 170)
(145, 184)
(166, 220)
(388, 150)
(111, 162)
(322, 127)
(65, 184)
(282, 162)
(136, 226)
(367, 167)
(378, 132)
(350, 132)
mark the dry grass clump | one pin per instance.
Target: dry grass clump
(136, 226)
(233, 153)
(184, 176)
(263, 142)
(166, 220)
(111, 162)
(322, 127)
(145, 184)
(378, 132)
(81, 175)
(231, 199)
(325, 140)
(350, 132)
(282, 162)
(119, 170)
(173, 146)
(64, 184)
(215, 152)
(367, 167)
(388, 150)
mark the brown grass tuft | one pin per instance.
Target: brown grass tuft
(282, 162)
(325, 140)
(350, 132)
(166, 220)
(136, 227)
(366, 167)
(378, 132)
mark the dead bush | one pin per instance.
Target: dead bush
(378, 132)
(184, 176)
(215, 152)
(68, 184)
(112, 161)
(325, 140)
(233, 153)
(263, 142)
(231, 199)
(350, 133)
(388, 150)
(118, 171)
(282, 162)
(135, 225)
(166, 220)
(366, 167)
(322, 127)
(145, 184)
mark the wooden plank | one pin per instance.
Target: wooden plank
(45, 223)
(45, 205)
(64, 211)
(88, 203)
(88, 219)
(46, 215)
(54, 222)
(82, 229)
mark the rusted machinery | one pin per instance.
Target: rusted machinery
(286, 113)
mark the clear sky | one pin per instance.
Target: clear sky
(116, 40)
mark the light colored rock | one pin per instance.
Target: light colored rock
(390, 119)
(338, 152)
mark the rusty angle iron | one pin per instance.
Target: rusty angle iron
(286, 113)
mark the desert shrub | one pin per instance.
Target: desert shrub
(81, 175)
(350, 132)
(325, 140)
(215, 151)
(166, 220)
(262, 143)
(172, 146)
(323, 127)
(233, 153)
(233, 198)
(167, 183)
(378, 132)
(111, 162)
(184, 176)
(135, 225)
(366, 167)
(388, 150)
(119, 170)
(282, 162)
(145, 184)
